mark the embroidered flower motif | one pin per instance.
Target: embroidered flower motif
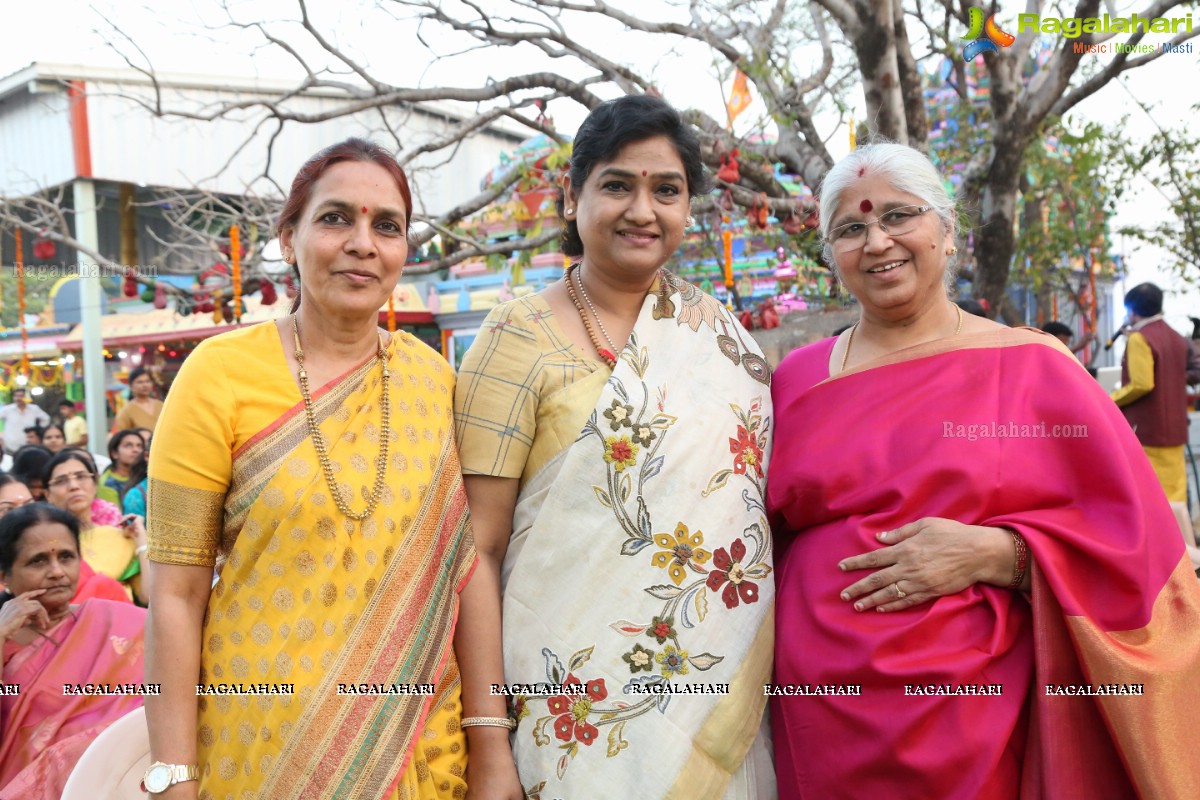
(661, 628)
(729, 568)
(678, 551)
(572, 710)
(747, 453)
(619, 414)
(621, 453)
(639, 658)
(674, 662)
(520, 707)
(697, 309)
(643, 434)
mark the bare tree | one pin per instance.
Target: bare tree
(803, 60)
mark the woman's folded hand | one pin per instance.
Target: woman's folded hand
(926, 559)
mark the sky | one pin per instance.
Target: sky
(193, 37)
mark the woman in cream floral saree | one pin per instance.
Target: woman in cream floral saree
(637, 587)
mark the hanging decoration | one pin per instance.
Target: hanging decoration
(269, 295)
(391, 317)
(727, 240)
(43, 248)
(235, 254)
(729, 171)
(21, 305)
(853, 136)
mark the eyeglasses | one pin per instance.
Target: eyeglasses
(897, 222)
(74, 477)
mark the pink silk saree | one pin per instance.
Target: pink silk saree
(43, 730)
(965, 429)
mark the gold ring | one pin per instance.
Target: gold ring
(900, 594)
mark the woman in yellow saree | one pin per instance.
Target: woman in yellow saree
(335, 519)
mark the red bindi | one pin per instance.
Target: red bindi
(865, 206)
(643, 173)
(364, 210)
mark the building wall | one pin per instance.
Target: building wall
(35, 141)
(230, 154)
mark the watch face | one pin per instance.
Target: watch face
(158, 779)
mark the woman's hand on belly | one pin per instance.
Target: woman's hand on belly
(927, 559)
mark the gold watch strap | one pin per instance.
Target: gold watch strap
(181, 773)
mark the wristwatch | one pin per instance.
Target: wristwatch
(161, 777)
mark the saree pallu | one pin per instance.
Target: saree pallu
(44, 730)
(640, 561)
(309, 599)
(996, 429)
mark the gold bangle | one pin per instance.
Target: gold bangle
(1022, 559)
(488, 722)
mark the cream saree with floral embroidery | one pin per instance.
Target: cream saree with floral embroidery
(640, 564)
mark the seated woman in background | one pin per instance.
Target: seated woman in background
(50, 643)
(116, 550)
(53, 438)
(966, 524)
(126, 449)
(144, 407)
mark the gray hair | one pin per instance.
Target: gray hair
(908, 170)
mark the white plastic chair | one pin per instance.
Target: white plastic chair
(113, 765)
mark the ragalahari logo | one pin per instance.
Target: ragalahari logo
(991, 30)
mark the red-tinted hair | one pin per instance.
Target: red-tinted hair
(352, 149)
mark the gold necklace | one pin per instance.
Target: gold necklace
(850, 339)
(319, 440)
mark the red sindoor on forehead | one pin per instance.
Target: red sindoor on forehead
(865, 206)
(643, 173)
(364, 209)
(862, 171)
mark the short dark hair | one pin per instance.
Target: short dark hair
(16, 522)
(1056, 328)
(616, 123)
(1145, 300)
(67, 404)
(29, 461)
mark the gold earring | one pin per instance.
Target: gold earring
(952, 251)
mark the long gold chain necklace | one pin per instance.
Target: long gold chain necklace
(850, 339)
(607, 354)
(319, 440)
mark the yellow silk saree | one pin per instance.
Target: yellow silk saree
(346, 626)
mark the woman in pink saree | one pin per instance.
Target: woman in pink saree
(58, 654)
(981, 591)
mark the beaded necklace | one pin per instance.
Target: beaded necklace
(607, 354)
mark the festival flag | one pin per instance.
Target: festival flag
(739, 97)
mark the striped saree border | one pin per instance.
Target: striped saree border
(258, 460)
(359, 746)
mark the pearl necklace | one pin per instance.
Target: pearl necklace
(385, 433)
(850, 339)
(607, 355)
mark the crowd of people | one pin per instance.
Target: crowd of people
(614, 556)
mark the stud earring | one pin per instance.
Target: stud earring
(690, 221)
(952, 251)
(568, 211)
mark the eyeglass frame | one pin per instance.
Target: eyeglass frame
(75, 477)
(832, 241)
